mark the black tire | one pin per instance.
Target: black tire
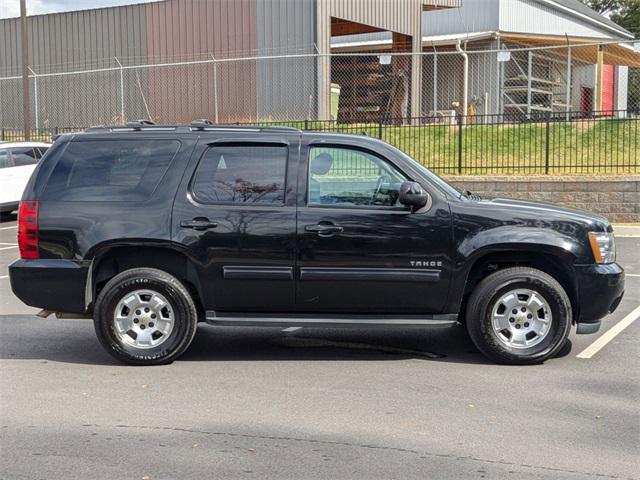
(183, 310)
(490, 290)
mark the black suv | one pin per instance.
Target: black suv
(151, 229)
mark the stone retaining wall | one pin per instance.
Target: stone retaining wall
(617, 198)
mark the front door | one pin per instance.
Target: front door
(235, 215)
(360, 250)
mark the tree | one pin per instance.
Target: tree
(602, 6)
(625, 13)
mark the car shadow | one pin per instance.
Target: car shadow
(241, 343)
(8, 217)
(74, 341)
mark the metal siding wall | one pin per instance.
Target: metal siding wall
(10, 46)
(69, 41)
(581, 76)
(396, 16)
(473, 16)
(530, 16)
(284, 85)
(63, 39)
(225, 27)
(622, 88)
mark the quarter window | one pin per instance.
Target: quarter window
(242, 174)
(110, 170)
(348, 177)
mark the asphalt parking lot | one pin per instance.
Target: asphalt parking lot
(260, 403)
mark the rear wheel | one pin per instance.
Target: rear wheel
(519, 316)
(145, 316)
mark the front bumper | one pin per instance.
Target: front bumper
(57, 285)
(600, 290)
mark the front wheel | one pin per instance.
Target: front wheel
(519, 316)
(145, 316)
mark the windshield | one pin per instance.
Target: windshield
(431, 176)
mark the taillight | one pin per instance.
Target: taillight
(28, 229)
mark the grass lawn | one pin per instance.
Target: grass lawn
(587, 147)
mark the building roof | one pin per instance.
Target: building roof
(581, 9)
(451, 33)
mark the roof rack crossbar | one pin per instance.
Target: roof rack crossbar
(201, 121)
(141, 122)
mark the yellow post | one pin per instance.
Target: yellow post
(599, 78)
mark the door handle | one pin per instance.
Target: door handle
(324, 229)
(198, 224)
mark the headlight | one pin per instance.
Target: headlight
(603, 246)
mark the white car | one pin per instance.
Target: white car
(18, 160)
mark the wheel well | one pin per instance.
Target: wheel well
(119, 259)
(554, 265)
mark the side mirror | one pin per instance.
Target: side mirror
(413, 195)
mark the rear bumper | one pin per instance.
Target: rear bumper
(57, 285)
(600, 290)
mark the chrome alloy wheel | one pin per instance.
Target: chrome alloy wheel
(143, 319)
(521, 318)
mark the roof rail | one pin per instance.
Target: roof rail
(278, 127)
(196, 125)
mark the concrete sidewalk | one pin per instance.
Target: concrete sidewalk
(626, 229)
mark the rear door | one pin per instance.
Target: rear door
(235, 215)
(360, 250)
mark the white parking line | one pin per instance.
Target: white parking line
(7, 248)
(3, 276)
(609, 335)
(8, 243)
(632, 274)
(8, 228)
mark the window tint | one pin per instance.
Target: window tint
(242, 174)
(109, 170)
(4, 159)
(23, 156)
(347, 177)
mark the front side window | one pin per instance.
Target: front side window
(348, 177)
(242, 174)
(110, 170)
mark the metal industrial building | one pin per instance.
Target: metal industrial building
(173, 31)
(544, 81)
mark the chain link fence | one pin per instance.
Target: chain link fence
(494, 78)
(490, 108)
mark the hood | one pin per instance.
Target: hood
(502, 223)
(546, 211)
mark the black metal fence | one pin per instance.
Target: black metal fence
(607, 144)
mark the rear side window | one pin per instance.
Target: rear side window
(4, 159)
(24, 156)
(242, 174)
(110, 170)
